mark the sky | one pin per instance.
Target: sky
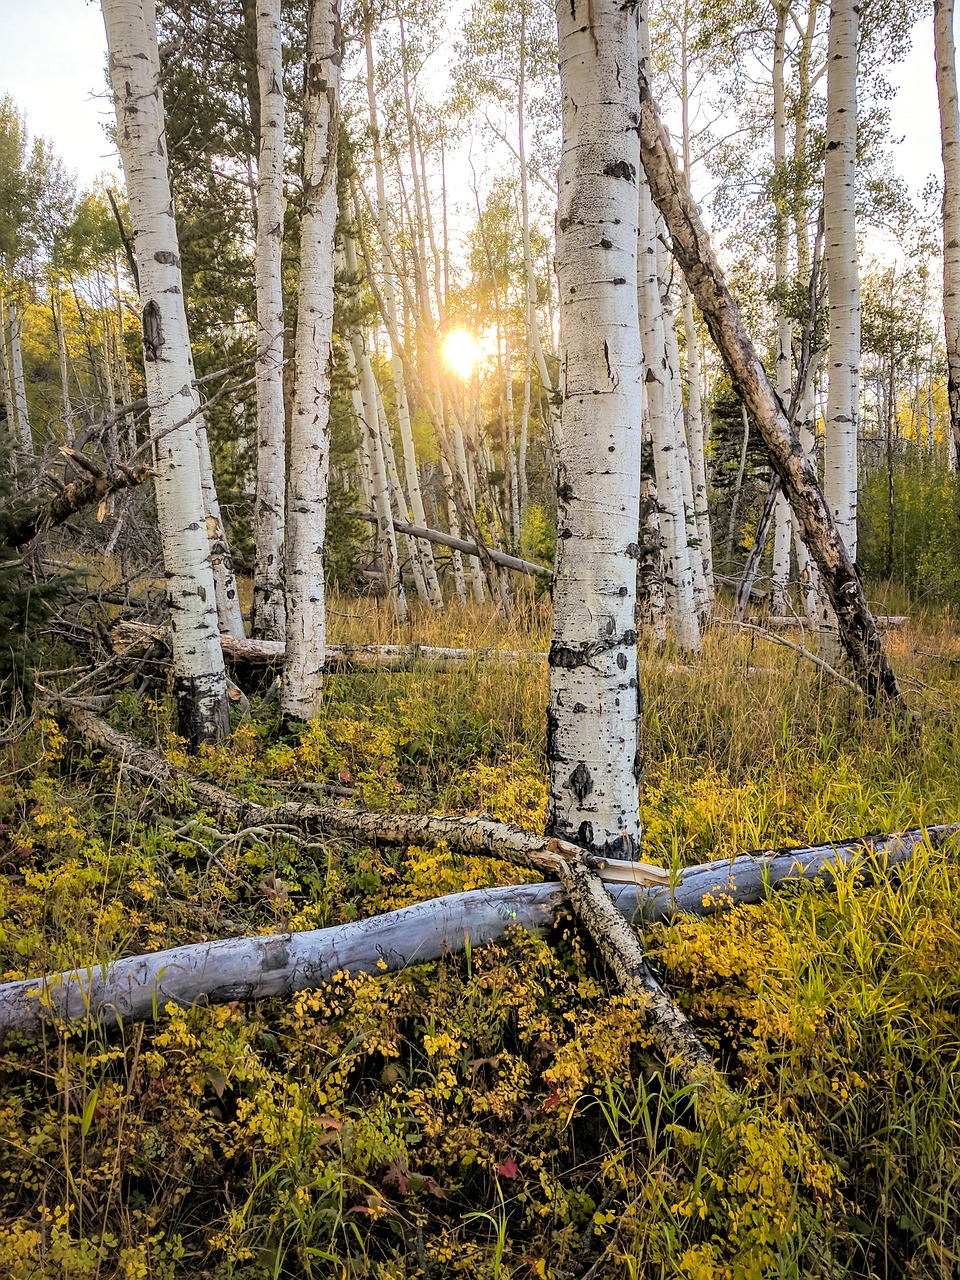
(53, 53)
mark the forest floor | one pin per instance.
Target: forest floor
(497, 1114)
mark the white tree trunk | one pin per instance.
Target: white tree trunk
(674, 388)
(397, 502)
(306, 506)
(199, 678)
(6, 385)
(950, 147)
(809, 578)
(68, 423)
(667, 460)
(224, 578)
(459, 577)
(843, 283)
(268, 618)
(783, 523)
(24, 432)
(696, 440)
(428, 582)
(593, 724)
(365, 402)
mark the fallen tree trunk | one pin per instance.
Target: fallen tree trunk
(460, 544)
(279, 964)
(782, 623)
(132, 637)
(95, 486)
(395, 657)
(692, 249)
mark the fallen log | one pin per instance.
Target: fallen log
(885, 621)
(393, 657)
(460, 544)
(682, 1050)
(280, 964)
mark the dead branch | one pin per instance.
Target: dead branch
(95, 486)
(460, 544)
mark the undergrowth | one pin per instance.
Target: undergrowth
(496, 1114)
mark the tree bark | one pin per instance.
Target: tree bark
(429, 583)
(268, 617)
(593, 719)
(199, 676)
(74, 497)
(691, 247)
(946, 59)
(366, 404)
(843, 287)
(310, 421)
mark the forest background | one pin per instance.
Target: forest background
(507, 1111)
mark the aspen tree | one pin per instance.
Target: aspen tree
(310, 420)
(368, 413)
(950, 147)
(426, 576)
(199, 677)
(268, 621)
(695, 416)
(692, 249)
(674, 391)
(19, 381)
(661, 420)
(593, 719)
(843, 282)
(783, 525)
(6, 385)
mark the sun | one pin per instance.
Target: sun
(462, 352)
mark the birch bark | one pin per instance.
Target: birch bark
(692, 249)
(199, 678)
(6, 385)
(950, 147)
(269, 614)
(365, 403)
(68, 423)
(310, 419)
(593, 719)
